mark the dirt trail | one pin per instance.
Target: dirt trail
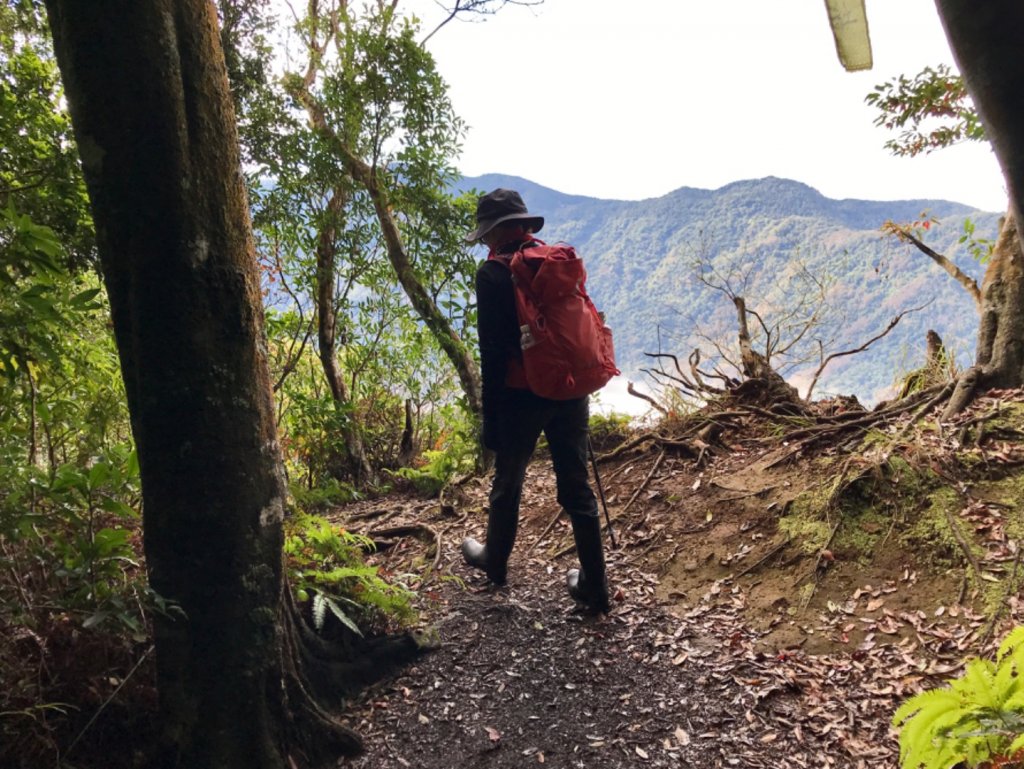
(735, 640)
(523, 680)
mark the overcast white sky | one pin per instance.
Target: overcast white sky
(630, 100)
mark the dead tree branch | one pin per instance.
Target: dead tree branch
(821, 368)
(965, 280)
(644, 397)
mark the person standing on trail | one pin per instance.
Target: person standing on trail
(514, 416)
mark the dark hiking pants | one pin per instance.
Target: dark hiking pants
(524, 417)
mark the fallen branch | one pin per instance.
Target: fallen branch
(771, 552)
(959, 537)
(643, 484)
(547, 529)
(412, 529)
(817, 564)
(1011, 589)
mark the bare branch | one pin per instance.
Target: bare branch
(698, 375)
(862, 348)
(644, 397)
(471, 7)
(965, 280)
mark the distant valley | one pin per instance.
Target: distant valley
(770, 239)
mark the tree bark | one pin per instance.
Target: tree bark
(999, 357)
(153, 118)
(985, 38)
(326, 254)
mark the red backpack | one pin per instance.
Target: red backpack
(567, 348)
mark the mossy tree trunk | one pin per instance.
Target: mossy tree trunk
(148, 94)
(985, 38)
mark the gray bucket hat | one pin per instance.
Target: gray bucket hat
(500, 206)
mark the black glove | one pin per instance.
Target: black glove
(491, 434)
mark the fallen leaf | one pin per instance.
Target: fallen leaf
(641, 752)
(682, 737)
(493, 734)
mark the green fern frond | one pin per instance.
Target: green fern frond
(343, 572)
(1007, 681)
(319, 611)
(1016, 746)
(977, 684)
(977, 718)
(1014, 641)
(926, 705)
(342, 616)
(925, 738)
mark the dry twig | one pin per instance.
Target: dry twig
(643, 484)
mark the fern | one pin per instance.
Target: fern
(978, 718)
(323, 602)
(326, 567)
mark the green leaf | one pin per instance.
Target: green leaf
(117, 507)
(83, 298)
(98, 474)
(342, 616)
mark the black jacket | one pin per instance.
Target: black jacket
(498, 328)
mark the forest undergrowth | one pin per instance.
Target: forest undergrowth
(885, 548)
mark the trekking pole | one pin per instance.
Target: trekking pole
(600, 491)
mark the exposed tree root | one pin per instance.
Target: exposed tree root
(808, 435)
(319, 673)
(310, 731)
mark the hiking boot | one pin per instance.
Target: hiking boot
(593, 597)
(475, 554)
(588, 584)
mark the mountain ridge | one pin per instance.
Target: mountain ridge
(641, 258)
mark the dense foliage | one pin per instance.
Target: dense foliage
(70, 500)
(932, 110)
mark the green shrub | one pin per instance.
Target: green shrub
(978, 718)
(438, 466)
(327, 571)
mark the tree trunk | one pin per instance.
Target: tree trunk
(366, 176)
(326, 253)
(148, 94)
(999, 358)
(763, 383)
(985, 38)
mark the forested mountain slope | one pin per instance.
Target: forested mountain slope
(641, 259)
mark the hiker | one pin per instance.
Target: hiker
(514, 416)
